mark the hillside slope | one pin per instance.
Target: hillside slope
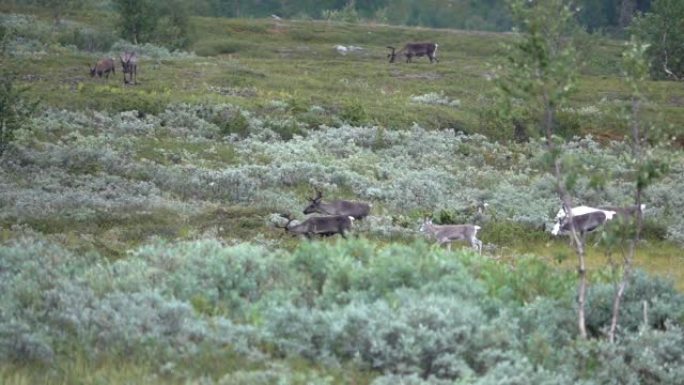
(139, 224)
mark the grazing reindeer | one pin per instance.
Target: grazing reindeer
(103, 66)
(449, 233)
(129, 62)
(415, 49)
(358, 210)
(325, 226)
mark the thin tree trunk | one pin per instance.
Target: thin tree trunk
(577, 241)
(629, 258)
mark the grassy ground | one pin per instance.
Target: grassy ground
(252, 63)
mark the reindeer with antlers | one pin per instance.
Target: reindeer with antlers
(358, 210)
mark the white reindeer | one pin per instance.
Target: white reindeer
(449, 233)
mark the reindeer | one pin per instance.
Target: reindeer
(415, 49)
(129, 62)
(103, 66)
(324, 225)
(358, 210)
(449, 233)
(585, 219)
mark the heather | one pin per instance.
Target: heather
(140, 237)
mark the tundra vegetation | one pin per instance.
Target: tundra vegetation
(139, 238)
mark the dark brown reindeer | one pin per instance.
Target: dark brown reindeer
(103, 67)
(129, 62)
(358, 210)
(414, 49)
(324, 225)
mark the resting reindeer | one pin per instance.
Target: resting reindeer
(358, 210)
(103, 66)
(415, 49)
(129, 62)
(449, 233)
(325, 225)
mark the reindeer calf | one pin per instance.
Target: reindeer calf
(449, 233)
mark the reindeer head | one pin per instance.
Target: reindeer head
(315, 203)
(92, 71)
(128, 59)
(427, 222)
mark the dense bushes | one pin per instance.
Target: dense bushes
(412, 313)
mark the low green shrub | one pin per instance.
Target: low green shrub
(664, 306)
(220, 47)
(87, 39)
(506, 232)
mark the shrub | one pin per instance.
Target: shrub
(15, 109)
(354, 113)
(88, 39)
(665, 306)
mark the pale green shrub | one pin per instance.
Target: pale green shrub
(436, 98)
(406, 173)
(149, 50)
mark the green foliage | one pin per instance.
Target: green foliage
(88, 39)
(124, 216)
(166, 23)
(111, 98)
(235, 124)
(15, 109)
(347, 14)
(398, 311)
(644, 297)
(354, 113)
(662, 28)
(5, 36)
(59, 7)
(503, 232)
(540, 71)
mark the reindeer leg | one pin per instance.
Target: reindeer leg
(477, 244)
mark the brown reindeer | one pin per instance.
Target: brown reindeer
(415, 49)
(358, 210)
(129, 62)
(324, 225)
(103, 66)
